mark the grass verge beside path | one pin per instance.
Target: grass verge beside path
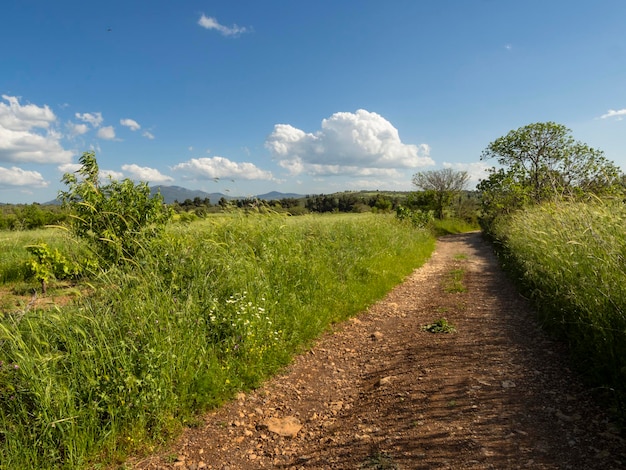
(215, 307)
(571, 259)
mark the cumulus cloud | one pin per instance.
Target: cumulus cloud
(148, 135)
(131, 124)
(144, 173)
(27, 134)
(361, 143)
(106, 133)
(612, 113)
(77, 129)
(112, 174)
(15, 177)
(95, 119)
(209, 22)
(220, 167)
(69, 167)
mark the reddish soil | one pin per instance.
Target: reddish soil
(380, 392)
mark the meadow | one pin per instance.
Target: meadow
(571, 261)
(208, 309)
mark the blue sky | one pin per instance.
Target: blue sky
(246, 97)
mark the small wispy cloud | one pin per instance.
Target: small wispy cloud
(208, 22)
(95, 119)
(612, 113)
(148, 135)
(508, 47)
(131, 124)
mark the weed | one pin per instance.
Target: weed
(454, 281)
(380, 460)
(440, 326)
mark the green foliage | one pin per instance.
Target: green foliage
(454, 281)
(30, 216)
(49, 264)
(441, 187)
(440, 326)
(117, 218)
(571, 261)
(216, 307)
(542, 162)
(419, 218)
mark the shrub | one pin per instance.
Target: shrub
(117, 218)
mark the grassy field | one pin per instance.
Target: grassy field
(213, 307)
(571, 259)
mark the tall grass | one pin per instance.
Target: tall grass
(215, 307)
(572, 259)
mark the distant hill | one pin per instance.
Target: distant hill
(275, 195)
(180, 194)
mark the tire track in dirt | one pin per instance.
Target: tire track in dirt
(379, 392)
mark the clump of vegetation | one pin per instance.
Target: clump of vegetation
(440, 326)
(118, 219)
(542, 162)
(49, 264)
(454, 281)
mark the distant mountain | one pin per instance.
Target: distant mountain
(275, 195)
(180, 194)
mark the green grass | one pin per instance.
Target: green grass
(571, 259)
(452, 226)
(214, 307)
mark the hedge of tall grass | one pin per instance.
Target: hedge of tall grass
(572, 260)
(214, 307)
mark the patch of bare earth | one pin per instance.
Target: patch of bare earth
(379, 392)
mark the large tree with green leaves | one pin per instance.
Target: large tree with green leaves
(441, 186)
(117, 218)
(541, 162)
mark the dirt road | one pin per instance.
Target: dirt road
(380, 392)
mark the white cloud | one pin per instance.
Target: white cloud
(106, 133)
(148, 135)
(348, 143)
(220, 167)
(14, 176)
(619, 114)
(95, 119)
(24, 118)
(77, 129)
(143, 173)
(112, 174)
(131, 124)
(27, 134)
(69, 167)
(212, 23)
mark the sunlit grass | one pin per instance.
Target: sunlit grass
(214, 307)
(572, 259)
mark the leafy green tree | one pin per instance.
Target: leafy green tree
(441, 187)
(117, 218)
(541, 162)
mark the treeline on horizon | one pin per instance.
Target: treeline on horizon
(35, 215)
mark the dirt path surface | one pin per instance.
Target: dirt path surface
(379, 392)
